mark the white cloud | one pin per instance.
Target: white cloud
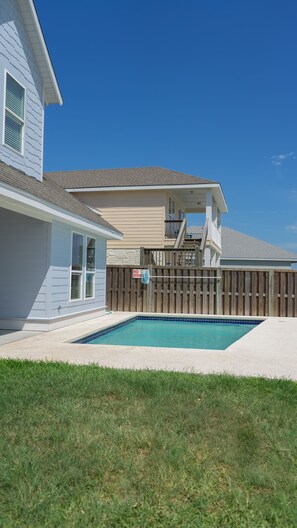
(292, 227)
(280, 158)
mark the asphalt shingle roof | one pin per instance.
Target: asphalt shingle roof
(123, 178)
(238, 245)
(50, 192)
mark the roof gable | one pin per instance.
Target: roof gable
(34, 31)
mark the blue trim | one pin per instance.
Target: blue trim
(202, 320)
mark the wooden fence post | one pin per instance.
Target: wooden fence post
(271, 294)
(150, 292)
(198, 257)
(142, 256)
(219, 300)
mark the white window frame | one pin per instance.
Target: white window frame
(76, 272)
(84, 270)
(90, 272)
(171, 208)
(7, 110)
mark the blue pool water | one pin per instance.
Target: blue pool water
(170, 332)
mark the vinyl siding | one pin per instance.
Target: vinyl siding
(17, 57)
(139, 215)
(24, 266)
(60, 303)
(250, 263)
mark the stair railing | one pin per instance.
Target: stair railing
(204, 236)
(181, 234)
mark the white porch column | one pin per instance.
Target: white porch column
(213, 241)
(208, 217)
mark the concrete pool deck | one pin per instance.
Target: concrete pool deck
(269, 350)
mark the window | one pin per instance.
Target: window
(14, 114)
(83, 267)
(171, 207)
(77, 266)
(90, 268)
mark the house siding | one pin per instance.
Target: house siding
(60, 304)
(139, 215)
(17, 57)
(252, 263)
(24, 266)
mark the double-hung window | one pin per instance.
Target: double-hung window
(83, 267)
(77, 266)
(90, 268)
(14, 114)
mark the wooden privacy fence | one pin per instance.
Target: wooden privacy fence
(204, 291)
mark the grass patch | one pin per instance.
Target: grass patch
(86, 446)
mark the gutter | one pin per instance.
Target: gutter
(25, 203)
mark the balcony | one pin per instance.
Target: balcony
(172, 228)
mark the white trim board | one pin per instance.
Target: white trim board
(220, 199)
(23, 203)
(34, 31)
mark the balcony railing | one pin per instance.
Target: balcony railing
(182, 258)
(172, 228)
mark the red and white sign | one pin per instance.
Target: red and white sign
(137, 274)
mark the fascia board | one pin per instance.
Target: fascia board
(47, 71)
(47, 212)
(213, 186)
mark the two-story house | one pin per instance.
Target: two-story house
(149, 205)
(53, 247)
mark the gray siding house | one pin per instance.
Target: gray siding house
(53, 247)
(243, 251)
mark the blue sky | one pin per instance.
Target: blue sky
(205, 87)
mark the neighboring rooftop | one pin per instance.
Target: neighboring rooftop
(50, 192)
(145, 176)
(236, 245)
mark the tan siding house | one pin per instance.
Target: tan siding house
(149, 205)
(140, 215)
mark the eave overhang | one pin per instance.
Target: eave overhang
(214, 187)
(24, 203)
(52, 93)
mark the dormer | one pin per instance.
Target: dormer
(27, 84)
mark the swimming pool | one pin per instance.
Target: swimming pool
(173, 332)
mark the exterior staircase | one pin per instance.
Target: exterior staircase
(191, 243)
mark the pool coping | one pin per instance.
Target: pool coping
(132, 315)
(154, 316)
(269, 350)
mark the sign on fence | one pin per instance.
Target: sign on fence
(137, 274)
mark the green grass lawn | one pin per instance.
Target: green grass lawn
(92, 447)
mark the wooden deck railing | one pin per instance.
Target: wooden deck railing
(204, 291)
(182, 258)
